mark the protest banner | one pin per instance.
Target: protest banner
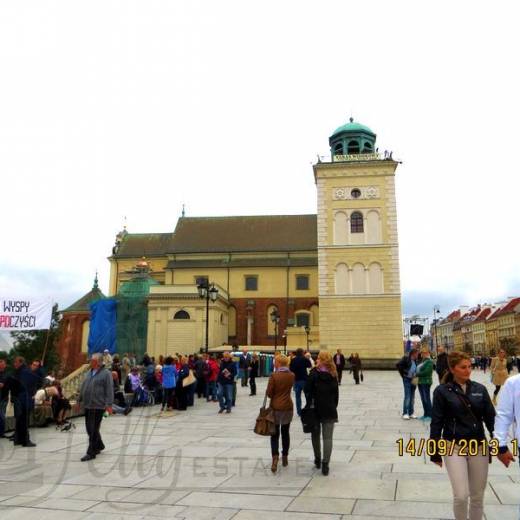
(20, 314)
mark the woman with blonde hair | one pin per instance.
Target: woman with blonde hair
(279, 391)
(499, 372)
(323, 395)
(461, 408)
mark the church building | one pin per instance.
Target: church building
(323, 281)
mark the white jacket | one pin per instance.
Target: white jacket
(508, 411)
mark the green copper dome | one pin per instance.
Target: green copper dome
(353, 127)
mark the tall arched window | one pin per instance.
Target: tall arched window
(353, 147)
(232, 321)
(375, 279)
(85, 329)
(342, 283)
(181, 315)
(338, 149)
(367, 148)
(340, 228)
(358, 279)
(356, 222)
(373, 228)
(270, 323)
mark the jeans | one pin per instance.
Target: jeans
(327, 429)
(409, 396)
(424, 392)
(167, 397)
(245, 374)
(252, 384)
(212, 391)
(225, 396)
(298, 388)
(286, 440)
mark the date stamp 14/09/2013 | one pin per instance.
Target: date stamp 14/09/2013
(442, 447)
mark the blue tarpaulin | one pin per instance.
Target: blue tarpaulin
(103, 319)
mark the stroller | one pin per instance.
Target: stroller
(143, 397)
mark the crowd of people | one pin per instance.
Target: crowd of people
(461, 412)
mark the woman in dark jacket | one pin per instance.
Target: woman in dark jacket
(461, 407)
(323, 394)
(181, 391)
(356, 367)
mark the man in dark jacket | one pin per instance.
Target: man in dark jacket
(22, 385)
(226, 378)
(97, 396)
(441, 363)
(244, 362)
(339, 361)
(407, 368)
(300, 366)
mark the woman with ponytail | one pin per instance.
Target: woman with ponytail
(461, 408)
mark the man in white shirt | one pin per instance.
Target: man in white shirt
(508, 411)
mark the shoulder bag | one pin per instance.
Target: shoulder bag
(189, 379)
(265, 420)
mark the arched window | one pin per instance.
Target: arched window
(367, 148)
(373, 228)
(181, 315)
(340, 228)
(353, 147)
(338, 149)
(375, 279)
(356, 222)
(358, 279)
(85, 329)
(270, 323)
(342, 283)
(232, 322)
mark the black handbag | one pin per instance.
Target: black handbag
(309, 419)
(361, 377)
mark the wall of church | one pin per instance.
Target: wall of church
(70, 344)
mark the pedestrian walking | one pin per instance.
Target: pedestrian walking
(253, 374)
(323, 394)
(97, 395)
(339, 362)
(244, 362)
(212, 376)
(279, 391)
(424, 373)
(356, 367)
(499, 373)
(407, 367)
(461, 408)
(299, 366)
(169, 382)
(441, 363)
(225, 382)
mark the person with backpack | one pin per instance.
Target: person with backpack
(407, 367)
(461, 409)
(323, 395)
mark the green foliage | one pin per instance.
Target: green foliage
(510, 345)
(31, 344)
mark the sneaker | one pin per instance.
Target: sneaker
(413, 416)
(228, 411)
(221, 411)
(406, 417)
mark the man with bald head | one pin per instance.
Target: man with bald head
(97, 396)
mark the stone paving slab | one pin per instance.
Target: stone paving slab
(199, 465)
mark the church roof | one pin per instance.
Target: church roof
(353, 127)
(227, 235)
(83, 304)
(244, 234)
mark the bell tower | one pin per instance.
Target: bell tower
(358, 251)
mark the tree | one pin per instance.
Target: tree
(30, 344)
(510, 345)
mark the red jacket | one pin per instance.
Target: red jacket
(213, 370)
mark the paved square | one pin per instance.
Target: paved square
(200, 465)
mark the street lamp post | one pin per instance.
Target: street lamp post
(307, 330)
(207, 292)
(275, 318)
(436, 311)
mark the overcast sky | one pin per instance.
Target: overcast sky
(112, 109)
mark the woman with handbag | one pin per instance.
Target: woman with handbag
(461, 408)
(181, 390)
(279, 391)
(323, 394)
